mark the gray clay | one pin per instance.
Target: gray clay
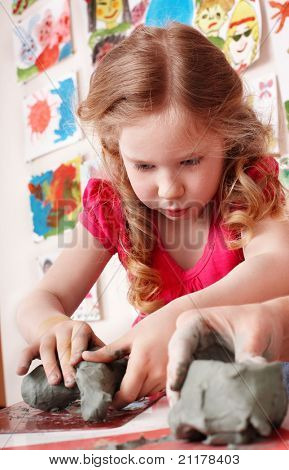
(229, 402)
(96, 385)
(37, 392)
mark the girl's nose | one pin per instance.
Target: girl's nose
(170, 190)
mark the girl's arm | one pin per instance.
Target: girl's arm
(263, 275)
(43, 315)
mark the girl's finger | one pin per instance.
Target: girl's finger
(116, 350)
(132, 382)
(150, 387)
(182, 346)
(49, 360)
(27, 356)
(63, 349)
(172, 396)
(82, 338)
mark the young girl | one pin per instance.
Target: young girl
(192, 205)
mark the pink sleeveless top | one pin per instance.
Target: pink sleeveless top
(103, 217)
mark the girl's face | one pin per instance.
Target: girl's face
(172, 163)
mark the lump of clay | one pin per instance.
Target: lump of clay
(37, 392)
(229, 402)
(96, 385)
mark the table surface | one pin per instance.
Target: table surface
(150, 423)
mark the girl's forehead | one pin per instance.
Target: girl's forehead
(176, 131)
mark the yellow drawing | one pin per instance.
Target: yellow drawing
(241, 45)
(210, 17)
(110, 12)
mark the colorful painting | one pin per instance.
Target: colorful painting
(18, 6)
(160, 12)
(89, 309)
(278, 14)
(263, 99)
(55, 200)
(107, 17)
(235, 26)
(43, 39)
(49, 118)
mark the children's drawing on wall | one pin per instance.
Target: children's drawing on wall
(210, 18)
(18, 6)
(102, 47)
(242, 44)
(55, 200)
(281, 13)
(232, 25)
(43, 39)
(263, 99)
(49, 117)
(138, 10)
(160, 12)
(278, 14)
(107, 17)
(89, 309)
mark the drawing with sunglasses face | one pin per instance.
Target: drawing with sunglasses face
(241, 45)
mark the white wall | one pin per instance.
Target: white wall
(17, 250)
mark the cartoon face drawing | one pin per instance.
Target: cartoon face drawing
(109, 11)
(210, 19)
(241, 44)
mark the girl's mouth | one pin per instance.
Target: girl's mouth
(176, 212)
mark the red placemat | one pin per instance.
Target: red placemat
(21, 418)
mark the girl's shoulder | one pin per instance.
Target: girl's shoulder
(100, 191)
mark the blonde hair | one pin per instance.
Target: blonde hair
(150, 71)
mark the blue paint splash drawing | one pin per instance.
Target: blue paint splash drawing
(67, 124)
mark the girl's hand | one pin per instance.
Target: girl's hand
(59, 348)
(147, 347)
(252, 332)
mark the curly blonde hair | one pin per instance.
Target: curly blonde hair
(151, 70)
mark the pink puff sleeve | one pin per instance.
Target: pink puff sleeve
(101, 213)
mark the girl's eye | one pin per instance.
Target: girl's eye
(143, 167)
(192, 162)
